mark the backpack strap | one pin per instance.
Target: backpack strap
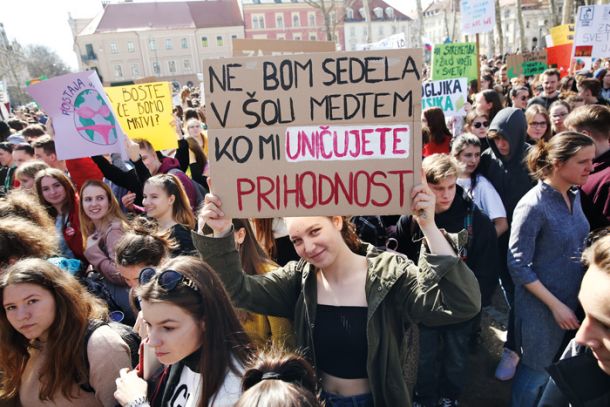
(91, 327)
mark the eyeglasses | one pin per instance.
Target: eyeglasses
(168, 279)
(537, 124)
(478, 125)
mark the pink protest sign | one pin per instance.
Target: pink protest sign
(83, 120)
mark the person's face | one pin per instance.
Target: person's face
(549, 84)
(20, 156)
(194, 128)
(594, 332)
(520, 101)
(470, 157)
(53, 191)
(6, 158)
(95, 202)
(316, 239)
(485, 84)
(504, 75)
(502, 145)
(445, 193)
(537, 127)
(49, 159)
(577, 168)
(482, 104)
(26, 182)
(30, 309)
(157, 202)
(558, 115)
(150, 160)
(606, 80)
(479, 126)
(131, 273)
(172, 332)
(585, 94)
(424, 122)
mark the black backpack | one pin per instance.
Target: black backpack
(131, 338)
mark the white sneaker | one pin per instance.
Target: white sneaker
(507, 366)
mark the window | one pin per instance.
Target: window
(233, 37)
(527, 24)
(394, 29)
(187, 65)
(313, 37)
(118, 71)
(156, 68)
(350, 14)
(219, 41)
(378, 12)
(280, 36)
(296, 20)
(389, 11)
(168, 43)
(113, 48)
(381, 31)
(89, 50)
(135, 70)
(204, 42)
(279, 20)
(152, 45)
(130, 47)
(184, 43)
(311, 17)
(258, 21)
(296, 37)
(171, 66)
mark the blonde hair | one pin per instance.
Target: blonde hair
(87, 227)
(437, 167)
(598, 254)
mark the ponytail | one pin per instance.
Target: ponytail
(542, 158)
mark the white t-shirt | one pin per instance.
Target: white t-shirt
(484, 196)
(188, 390)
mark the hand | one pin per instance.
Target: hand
(128, 199)
(423, 202)
(565, 317)
(211, 214)
(129, 387)
(133, 149)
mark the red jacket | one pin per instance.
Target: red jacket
(72, 235)
(81, 170)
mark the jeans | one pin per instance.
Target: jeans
(528, 385)
(508, 287)
(443, 361)
(334, 400)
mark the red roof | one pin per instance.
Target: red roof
(170, 15)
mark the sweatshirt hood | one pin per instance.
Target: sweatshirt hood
(510, 122)
(167, 164)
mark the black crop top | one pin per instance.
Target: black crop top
(340, 341)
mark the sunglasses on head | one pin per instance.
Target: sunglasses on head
(478, 125)
(168, 279)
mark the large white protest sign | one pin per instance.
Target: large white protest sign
(592, 35)
(396, 41)
(478, 16)
(448, 94)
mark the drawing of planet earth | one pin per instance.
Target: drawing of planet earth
(93, 118)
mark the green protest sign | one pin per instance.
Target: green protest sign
(457, 60)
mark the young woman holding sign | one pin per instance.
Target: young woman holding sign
(352, 307)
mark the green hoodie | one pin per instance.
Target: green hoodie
(442, 290)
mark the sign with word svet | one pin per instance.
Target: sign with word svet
(83, 119)
(145, 111)
(477, 16)
(457, 60)
(448, 94)
(323, 134)
(592, 34)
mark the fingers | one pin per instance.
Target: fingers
(209, 180)
(123, 373)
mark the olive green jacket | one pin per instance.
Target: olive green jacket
(442, 290)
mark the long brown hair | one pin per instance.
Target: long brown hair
(181, 208)
(254, 260)
(65, 365)
(71, 202)
(224, 341)
(87, 227)
(264, 235)
(348, 232)
(436, 124)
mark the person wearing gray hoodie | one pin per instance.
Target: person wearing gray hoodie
(504, 166)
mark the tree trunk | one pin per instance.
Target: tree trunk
(499, 28)
(568, 12)
(554, 15)
(455, 7)
(522, 44)
(420, 24)
(369, 23)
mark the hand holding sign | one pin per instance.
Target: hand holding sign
(422, 204)
(211, 214)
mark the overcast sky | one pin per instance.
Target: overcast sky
(46, 22)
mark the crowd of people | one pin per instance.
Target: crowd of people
(123, 282)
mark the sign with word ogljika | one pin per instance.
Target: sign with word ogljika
(448, 94)
(478, 16)
(145, 111)
(322, 134)
(592, 35)
(527, 63)
(457, 60)
(82, 115)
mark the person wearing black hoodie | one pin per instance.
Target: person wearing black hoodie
(454, 212)
(503, 165)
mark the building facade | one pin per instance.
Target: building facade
(128, 41)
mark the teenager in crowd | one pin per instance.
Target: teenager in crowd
(278, 379)
(22, 153)
(589, 89)
(7, 168)
(56, 193)
(477, 124)
(546, 241)
(369, 360)
(550, 92)
(440, 136)
(45, 358)
(26, 174)
(582, 376)
(487, 82)
(262, 329)
(192, 152)
(194, 330)
(102, 226)
(538, 124)
(594, 121)
(558, 112)
(466, 148)
(519, 96)
(272, 235)
(165, 201)
(488, 102)
(443, 355)
(604, 93)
